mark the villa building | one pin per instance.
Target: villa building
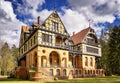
(48, 51)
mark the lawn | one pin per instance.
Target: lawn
(108, 79)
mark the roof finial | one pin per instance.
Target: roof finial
(90, 21)
(54, 4)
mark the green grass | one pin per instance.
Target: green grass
(107, 79)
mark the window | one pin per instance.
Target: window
(85, 71)
(22, 50)
(91, 61)
(92, 50)
(31, 42)
(90, 71)
(64, 72)
(25, 47)
(55, 26)
(76, 72)
(34, 40)
(46, 38)
(51, 72)
(57, 72)
(86, 61)
(80, 72)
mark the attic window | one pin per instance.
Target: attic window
(55, 15)
(91, 30)
(55, 26)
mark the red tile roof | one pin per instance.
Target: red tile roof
(78, 37)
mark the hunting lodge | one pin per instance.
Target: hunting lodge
(47, 51)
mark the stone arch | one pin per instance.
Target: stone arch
(78, 61)
(58, 72)
(54, 59)
(64, 72)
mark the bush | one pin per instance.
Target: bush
(55, 78)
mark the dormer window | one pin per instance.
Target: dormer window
(55, 26)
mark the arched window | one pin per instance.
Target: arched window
(57, 72)
(51, 72)
(90, 71)
(91, 61)
(76, 72)
(71, 72)
(86, 61)
(80, 72)
(64, 72)
(85, 71)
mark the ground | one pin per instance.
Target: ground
(107, 79)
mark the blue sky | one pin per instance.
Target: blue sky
(74, 14)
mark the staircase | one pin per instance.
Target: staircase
(41, 74)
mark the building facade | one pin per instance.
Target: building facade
(48, 51)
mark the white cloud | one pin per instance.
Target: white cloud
(10, 26)
(100, 11)
(73, 21)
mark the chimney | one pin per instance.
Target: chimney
(73, 33)
(38, 19)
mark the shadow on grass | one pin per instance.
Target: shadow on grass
(11, 79)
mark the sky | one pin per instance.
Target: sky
(75, 15)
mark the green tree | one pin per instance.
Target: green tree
(15, 53)
(114, 50)
(7, 60)
(104, 58)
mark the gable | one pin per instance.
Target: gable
(79, 37)
(54, 23)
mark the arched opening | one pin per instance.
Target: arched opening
(70, 61)
(43, 61)
(51, 72)
(64, 62)
(76, 72)
(57, 72)
(54, 59)
(35, 59)
(64, 72)
(86, 61)
(78, 61)
(58, 40)
(23, 63)
(71, 72)
(91, 61)
(80, 72)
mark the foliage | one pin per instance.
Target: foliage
(7, 60)
(104, 61)
(114, 50)
(111, 52)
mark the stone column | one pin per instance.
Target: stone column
(38, 62)
(74, 61)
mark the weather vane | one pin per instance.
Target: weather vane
(54, 4)
(90, 21)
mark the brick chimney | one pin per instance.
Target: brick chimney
(38, 19)
(73, 33)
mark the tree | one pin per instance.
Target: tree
(104, 58)
(114, 50)
(7, 60)
(15, 53)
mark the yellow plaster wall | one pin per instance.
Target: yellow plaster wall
(89, 66)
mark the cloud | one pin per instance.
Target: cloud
(100, 11)
(73, 21)
(9, 26)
